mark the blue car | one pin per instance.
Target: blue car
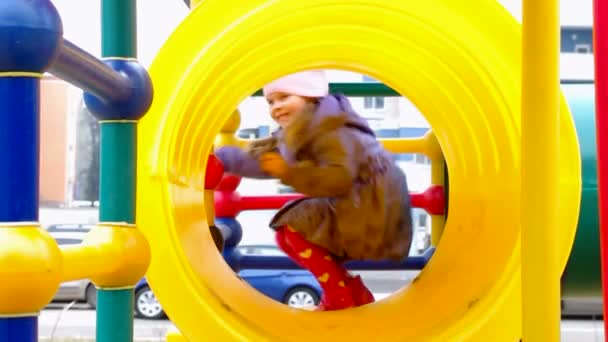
(293, 287)
(296, 288)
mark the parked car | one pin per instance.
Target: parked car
(78, 290)
(146, 305)
(70, 227)
(296, 288)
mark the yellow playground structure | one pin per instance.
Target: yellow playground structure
(489, 88)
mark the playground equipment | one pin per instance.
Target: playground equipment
(460, 71)
(114, 254)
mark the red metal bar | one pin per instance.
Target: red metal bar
(266, 202)
(432, 200)
(600, 48)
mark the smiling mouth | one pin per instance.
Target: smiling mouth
(282, 117)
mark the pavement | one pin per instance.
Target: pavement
(78, 324)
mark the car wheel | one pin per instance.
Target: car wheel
(301, 297)
(91, 296)
(146, 304)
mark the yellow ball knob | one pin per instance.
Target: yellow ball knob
(125, 248)
(30, 269)
(233, 123)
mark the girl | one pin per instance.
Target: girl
(358, 205)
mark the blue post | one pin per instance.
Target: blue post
(232, 232)
(23, 329)
(29, 38)
(19, 136)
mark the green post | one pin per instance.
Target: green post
(118, 170)
(117, 175)
(116, 204)
(118, 28)
(115, 316)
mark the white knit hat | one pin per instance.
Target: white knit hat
(311, 83)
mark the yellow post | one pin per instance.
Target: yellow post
(429, 146)
(539, 188)
(433, 151)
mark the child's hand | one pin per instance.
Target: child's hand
(273, 164)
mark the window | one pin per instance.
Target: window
(254, 133)
(248, 133)
(576, 40)
(422, 159)
(582, 48)
(373, 102)
(422, 220)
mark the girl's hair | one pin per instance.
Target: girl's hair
(311, 104)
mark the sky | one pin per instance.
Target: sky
(156, 21)
(572, 12)
(158, 18)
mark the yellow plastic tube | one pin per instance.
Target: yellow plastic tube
(111, 255)
(81, 262)
(459, 62)
(541, 267)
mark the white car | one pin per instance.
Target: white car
(78, 290)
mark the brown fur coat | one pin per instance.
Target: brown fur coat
(358, 205)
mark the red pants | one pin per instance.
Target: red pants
(340, 290)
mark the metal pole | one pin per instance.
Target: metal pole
(83, 70)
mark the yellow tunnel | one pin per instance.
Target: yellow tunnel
(457, 61)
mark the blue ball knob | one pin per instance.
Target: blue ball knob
(132, 107)
(30, 35)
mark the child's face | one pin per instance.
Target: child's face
(285, 108)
